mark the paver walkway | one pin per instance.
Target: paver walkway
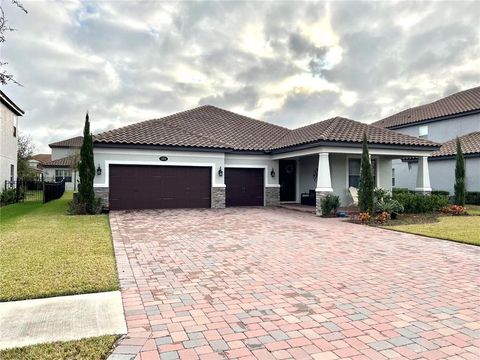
(270, 283)
(61, 318)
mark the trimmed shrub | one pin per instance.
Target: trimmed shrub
(329, 204)
(419, 203)
(440, 192)
(401, 191)
(8, 196)
(473, 197)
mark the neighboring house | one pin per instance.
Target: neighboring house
(457, 115)
(209, 157)
(63, 163)
(9, 114)
(36, 161)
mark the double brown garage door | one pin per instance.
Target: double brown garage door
(159, 187)
(170, 187)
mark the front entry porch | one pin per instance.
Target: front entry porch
(305, 179)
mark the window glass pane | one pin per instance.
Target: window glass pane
(354, 166)
(423, 131)
(353, 180)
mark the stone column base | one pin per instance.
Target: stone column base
(318, 197)
(102, 193)
(272, 196)
(218, 198)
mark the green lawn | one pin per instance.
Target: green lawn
(96, 348)
(473, 209)
(45, 252)
(465, 229)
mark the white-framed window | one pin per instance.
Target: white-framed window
(354, 171)
(393, 176)
(12, 172)
(423, 131)
(61, 174)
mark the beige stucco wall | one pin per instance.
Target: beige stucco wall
(8, 144)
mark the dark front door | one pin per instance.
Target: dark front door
(288, 179)
(159, 187)
(244, 187)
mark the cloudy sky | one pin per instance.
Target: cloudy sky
(289, 63)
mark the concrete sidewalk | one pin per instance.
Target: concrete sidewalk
(61, 318)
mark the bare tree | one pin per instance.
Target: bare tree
(5, 77)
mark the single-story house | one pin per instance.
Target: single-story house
(210, 157)
(63, 164)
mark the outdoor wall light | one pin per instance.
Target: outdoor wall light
(99, 170)
(272, 173)
(220, 172)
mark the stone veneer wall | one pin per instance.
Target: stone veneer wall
(218, 197)
(272, 196)
(102, 193)
(318, 197)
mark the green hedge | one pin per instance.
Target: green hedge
(419, 203)
(473, 197)
(440, 192)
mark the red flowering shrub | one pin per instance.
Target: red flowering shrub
(364, 217)
(382, 217)
(454, 210)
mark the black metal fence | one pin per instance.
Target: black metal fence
(53, 190)
(22, 190)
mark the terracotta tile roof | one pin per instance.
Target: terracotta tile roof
(67, 161)
(73, 142)
(340, 129)
(204, 126)
(42, 157)
(461, 102)
(470, 145)
(211, 127)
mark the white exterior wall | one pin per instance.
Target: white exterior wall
(8, 144)
(444, 130)
(49, 175)
(255, 161)
(442, 174)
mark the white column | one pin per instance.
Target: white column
(423, 176)
(324, 181)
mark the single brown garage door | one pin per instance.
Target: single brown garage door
(159, 187)
(244, 187)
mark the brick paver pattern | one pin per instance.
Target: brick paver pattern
(269, 283)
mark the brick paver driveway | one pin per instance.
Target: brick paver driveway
(277, 284)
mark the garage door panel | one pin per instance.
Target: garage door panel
(159, 187)
(244, 187)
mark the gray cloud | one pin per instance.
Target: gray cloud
(128, 61)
